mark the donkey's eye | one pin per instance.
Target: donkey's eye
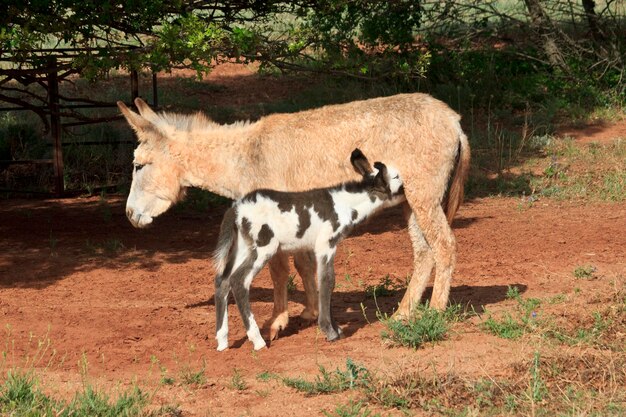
(139, 166)
(397, 177)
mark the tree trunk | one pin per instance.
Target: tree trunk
(592, 20)
(541, 24)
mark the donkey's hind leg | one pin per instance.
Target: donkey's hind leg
(439, 237)
(423, 262)
(279, 271)
(305, 265)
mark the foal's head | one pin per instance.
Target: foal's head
(381, 181)
(157, 180)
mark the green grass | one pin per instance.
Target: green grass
(525, 319)
(109, 247)
(20, 395)
(189, 376)
(540, 386)
(600, 329)
(593, 172)
(353, 409)
(423, 326)
(291, 284)
(237, 381)
(331, 382)
(266, 376)
(584, 271)
(385, 288)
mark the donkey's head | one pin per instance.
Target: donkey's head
(157, 178)
(384, 181)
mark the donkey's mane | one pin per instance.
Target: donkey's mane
(197, 122)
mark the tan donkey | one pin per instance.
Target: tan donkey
(415, 133)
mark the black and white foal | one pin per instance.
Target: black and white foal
(265, 222)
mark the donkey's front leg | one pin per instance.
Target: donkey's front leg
(279, 271)
(305, 265)
(326, 281)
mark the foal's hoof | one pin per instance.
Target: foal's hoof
(334, 335)
(222, 346)
(260, 345)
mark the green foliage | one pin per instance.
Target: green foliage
(188, 39)
(20, 395)
(331, 382)
(265, 376)
(385, 288)
(514, 326)
(584, 271)
(200, 201)
(353, 409)
(291, 284)
(188, 376)
(537, 388)
(424, 325)
(370, 39)
(237, 381)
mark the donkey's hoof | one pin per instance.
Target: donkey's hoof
(400, 315)
(222, 346)
(308, 314)
(278, 323)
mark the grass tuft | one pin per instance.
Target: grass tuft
(424, 325)
(331, 382)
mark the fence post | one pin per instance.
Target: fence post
(55, 125)
(155, 95)
(134, 85)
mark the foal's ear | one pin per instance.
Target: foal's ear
(144, 128)
(360, 162)
(382, 172)
(145, 110)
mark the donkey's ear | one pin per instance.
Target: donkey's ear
(360, 162)
(145, 110)
(141, 125)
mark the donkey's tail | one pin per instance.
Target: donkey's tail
(455, 192)
(225, 241)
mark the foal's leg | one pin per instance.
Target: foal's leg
(241, 280)
(222, 289)
(305, 265)
(423, 262)
(279, 271)
(239, 259)
(326, 278)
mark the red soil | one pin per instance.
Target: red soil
(130, 305)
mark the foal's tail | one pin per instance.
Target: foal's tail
(455, 192)
(225, 241)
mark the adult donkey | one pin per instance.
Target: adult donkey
(419, 135)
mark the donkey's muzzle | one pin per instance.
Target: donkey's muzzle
(137, 219)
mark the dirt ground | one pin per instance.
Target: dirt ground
(86, 297)
(118, 304)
